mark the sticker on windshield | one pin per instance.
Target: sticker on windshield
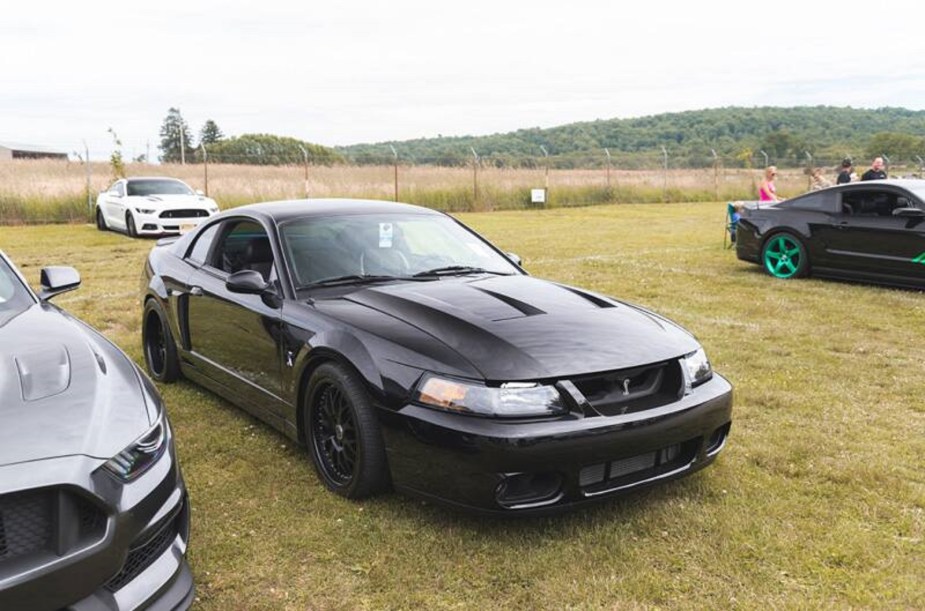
(385, 235)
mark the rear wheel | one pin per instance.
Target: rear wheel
(130, 225)
(159, 348)
(784, 256)
(100, 221)
(343, 435)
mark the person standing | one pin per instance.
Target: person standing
(818, 181)
(876, 170)
(767, 192)
(845, 174)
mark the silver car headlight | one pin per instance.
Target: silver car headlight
(509, 400)
(697, 368)
(138, 456)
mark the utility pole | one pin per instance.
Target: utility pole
(148, 151)
(475, 176)
(182, 144)
(546, 183)
(715, 174)
(87, 162)
(395, 156)
(665, 175)
(305, 164)
(205, 166)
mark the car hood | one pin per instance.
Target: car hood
(519, 327)
(65, 390)
(170, 202)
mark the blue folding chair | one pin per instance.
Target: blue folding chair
(732, 221)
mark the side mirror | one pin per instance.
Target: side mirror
(515, 258)
(247, 281)
(200, 193)
(56, 280)
(909, 212)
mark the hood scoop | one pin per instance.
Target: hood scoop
(43, 373)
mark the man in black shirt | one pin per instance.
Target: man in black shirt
(876, 170)
(845, 174)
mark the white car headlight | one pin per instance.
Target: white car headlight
(508, 400)
(697, 368)
(140, 454)
(145, 210)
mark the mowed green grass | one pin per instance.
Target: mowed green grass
(817, 501)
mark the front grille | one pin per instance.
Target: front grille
(624, 472)
(183, 214)
(47, 520)
(632, 390)
(141, 556)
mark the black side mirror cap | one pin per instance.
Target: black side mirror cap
(247, 281)
(909, 212)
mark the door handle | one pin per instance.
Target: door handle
(195, 291)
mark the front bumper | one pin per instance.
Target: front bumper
(154, 224)
(131, 556)
(509, 467)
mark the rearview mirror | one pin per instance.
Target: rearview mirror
(56, 280)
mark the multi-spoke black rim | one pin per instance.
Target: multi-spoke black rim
(334, 434)
(157, 347)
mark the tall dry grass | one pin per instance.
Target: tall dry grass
(44, 191)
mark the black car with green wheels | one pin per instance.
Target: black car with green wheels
(871, 231)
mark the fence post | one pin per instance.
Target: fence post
(665, 175)
(715, 174)
(395, 156)
(205, 166)
(305, 166)
(89, 196)
(475, 177)
(546, 183)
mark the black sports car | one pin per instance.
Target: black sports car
(403, 348)
(870, 231)
(93, 509)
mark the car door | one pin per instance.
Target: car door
(870, 239)
(235, 338)
(114, 205)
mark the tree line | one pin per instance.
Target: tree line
(740, 137)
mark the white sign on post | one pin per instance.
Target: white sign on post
(538, 196)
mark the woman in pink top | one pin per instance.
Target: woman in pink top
(767, 192)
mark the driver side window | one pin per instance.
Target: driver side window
(245, 245)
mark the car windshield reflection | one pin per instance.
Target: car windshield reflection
(373, 248)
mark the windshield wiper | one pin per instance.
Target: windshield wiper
(351, 279)
(457, 270)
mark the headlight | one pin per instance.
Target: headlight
(144, 210)
(511, 399)
(213, 209)
(141, 454)
(697, 368)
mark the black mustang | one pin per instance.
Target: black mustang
(404, 349)
(871, 231)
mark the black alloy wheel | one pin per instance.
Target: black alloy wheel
(100, 221)
(343, 434)
(159, 347)
(130, 225)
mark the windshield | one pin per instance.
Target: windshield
(14, 298)
(385, 246)
(157, 187)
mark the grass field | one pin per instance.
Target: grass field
(817, 502)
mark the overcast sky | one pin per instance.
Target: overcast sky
(345, 72)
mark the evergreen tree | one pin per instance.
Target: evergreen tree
(173, 129)
(210, 133)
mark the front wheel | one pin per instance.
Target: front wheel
(784, 256)
(159, 347)
(130, 225)
(343, 435)
(100, 221)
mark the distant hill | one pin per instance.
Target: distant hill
(736, 134)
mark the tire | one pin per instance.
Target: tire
(130, 225)
(159, 346)
(784, 256)
(343, 435)
(100, 221)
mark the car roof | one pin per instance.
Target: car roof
(298, 208)
(130, 178)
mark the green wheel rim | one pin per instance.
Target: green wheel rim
(783, 256)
